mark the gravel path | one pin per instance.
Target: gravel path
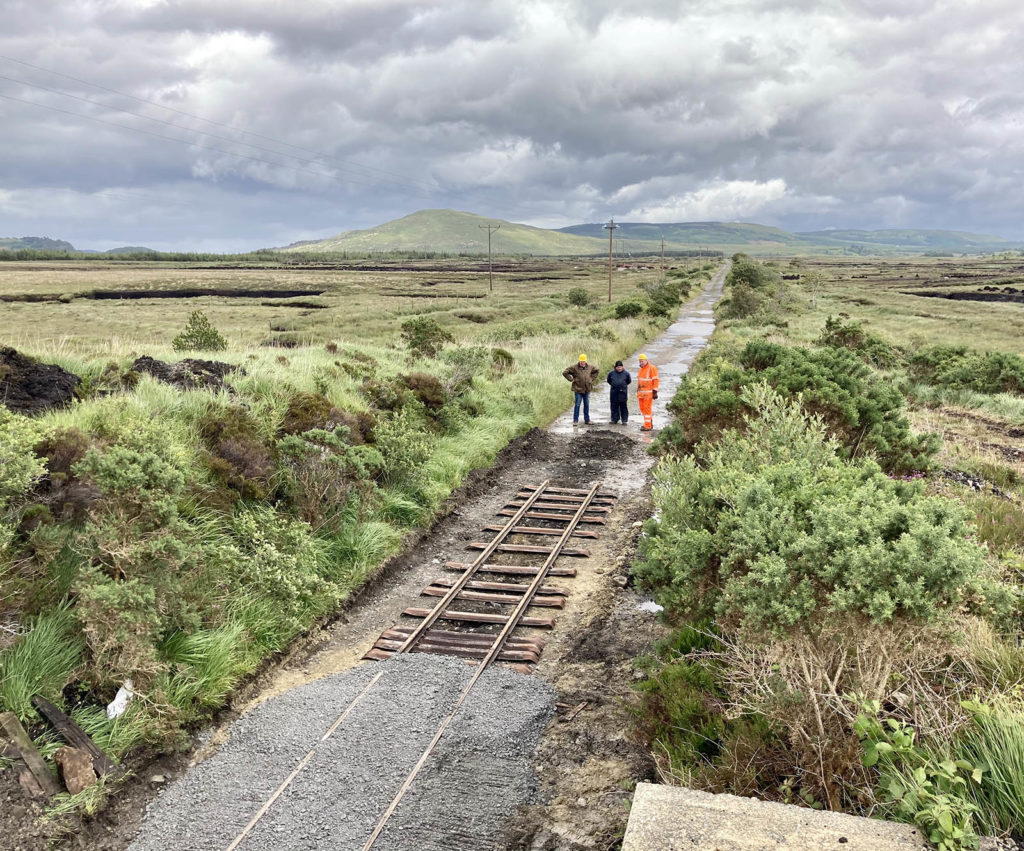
(478, 775)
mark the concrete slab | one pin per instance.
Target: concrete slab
(671, 818)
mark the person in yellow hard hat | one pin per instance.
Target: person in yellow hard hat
(582, 376)
(646, 390)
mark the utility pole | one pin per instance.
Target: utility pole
(490, 268)
(663, 255)
(611, 231)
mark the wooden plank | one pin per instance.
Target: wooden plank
(580, 491)
(547, 515)
(464, 651)
(476, 585)
(76, 736)
(29, 755)
(511, 569)
(529, 548)
(559, 506)
(566, 498)
(483, 639)
(480, 617)
(544, 530)
(491, 597)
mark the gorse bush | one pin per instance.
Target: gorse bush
(851, 335)
(865, 414)
(824, 579)
(628, 309)
(664, 296)
(19, 467)
(959, 368)
(771, 530)
(578, 297)
(199, 335)
(424, 337)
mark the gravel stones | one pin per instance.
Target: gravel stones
(479, 773)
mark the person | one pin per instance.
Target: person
(620, 380)
(582, 375)
(646, 390)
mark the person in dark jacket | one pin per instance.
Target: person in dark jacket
(582, 376)
(620, 380)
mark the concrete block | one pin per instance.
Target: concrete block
(671, 818)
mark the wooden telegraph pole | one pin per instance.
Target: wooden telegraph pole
(663, 255)
(611, 230)
(490, 267)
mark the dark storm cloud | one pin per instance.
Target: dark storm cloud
(791, 112)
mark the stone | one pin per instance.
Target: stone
(75, 767)
(621, 581)
(157, 778)
(669, 817)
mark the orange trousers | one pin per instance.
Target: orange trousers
(645, 399)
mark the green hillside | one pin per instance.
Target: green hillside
(34, 243)
(456, 232)
(923, 240)
(691, 234)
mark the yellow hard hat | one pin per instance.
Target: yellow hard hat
(583, 357)
(642, 357)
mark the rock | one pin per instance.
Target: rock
(581, 802)
(621, 581)
(30, 387)
(157, 778)
(75, 767)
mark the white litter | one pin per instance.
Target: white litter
(650, 606)
(116, 707)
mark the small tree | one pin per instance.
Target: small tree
(579, 297)
(424, 337)
(199, 335)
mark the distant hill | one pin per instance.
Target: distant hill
(130, 249)
(691, 234)
(455, 232)
(34, 243)
(922, 240)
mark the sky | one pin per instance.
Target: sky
(232, 125)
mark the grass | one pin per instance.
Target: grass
(198, 562)
(41, 663)
(997, 742)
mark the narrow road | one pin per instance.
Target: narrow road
(505, 774)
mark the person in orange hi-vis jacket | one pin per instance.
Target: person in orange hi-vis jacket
(646, 390)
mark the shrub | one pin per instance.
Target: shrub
(815, 570)
(958, 368)
(465, 362)
(20, 465)
(579, 297)
(663, 296)
(199, 335)
(851, 335)
(628, 309)
(775, 531)
(404, 445)
(502, 362)
(424, 337)
(427, 388)
(862, 412)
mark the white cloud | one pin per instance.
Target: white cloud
(723, 200)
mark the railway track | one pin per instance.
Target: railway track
(489, 599)
(485, 607)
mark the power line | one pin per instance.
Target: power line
(319, 154)
(413, 187)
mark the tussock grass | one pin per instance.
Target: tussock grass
(42, 661)
(997, 742)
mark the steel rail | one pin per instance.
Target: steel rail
(460, 583)
(496, 648)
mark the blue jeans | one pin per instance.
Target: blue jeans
(585, 399)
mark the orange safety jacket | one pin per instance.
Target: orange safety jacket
(647, 379)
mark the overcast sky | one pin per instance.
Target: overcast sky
(300, 120)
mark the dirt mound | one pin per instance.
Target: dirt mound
(30, 387)
(187, 374)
